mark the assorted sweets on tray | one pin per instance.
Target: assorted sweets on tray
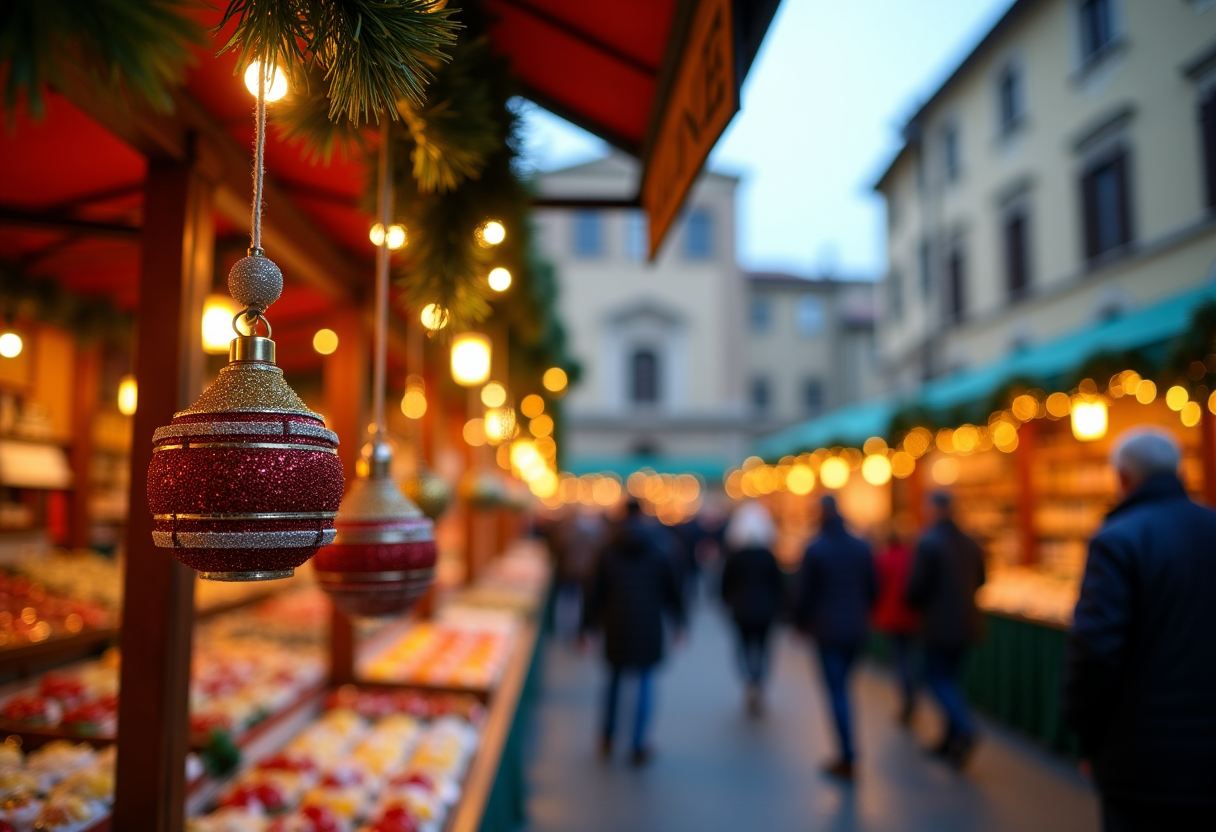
(234, 685)
(60, 787)
(349, 772)
(465, 649)
(31, 612)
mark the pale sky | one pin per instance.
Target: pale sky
(822, 108)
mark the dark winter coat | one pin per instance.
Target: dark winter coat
(633, 587)
(751, 586)
(947, 570)
(1140, 673)
(836, 587)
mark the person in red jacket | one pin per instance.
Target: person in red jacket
(895, 619)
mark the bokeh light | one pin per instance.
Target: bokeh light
(276, 82)
(434, 317)
(325, 341)
(128, 395)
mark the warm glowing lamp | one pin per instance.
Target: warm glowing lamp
(128, 395)
(397, 238)
(434, 317)
(1176, 397)
(493, 232)
(471, 359)
(532, 406)
(876, 469)
(1089, 419)
(555, 379)
(218, 312)
(834, 472)
(325, 341)
(493, 395)
(276, 82)
(800, 481)
(413, 403)
(499, 279)
(10, 344)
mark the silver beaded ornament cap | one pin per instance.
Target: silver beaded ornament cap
(255, 281)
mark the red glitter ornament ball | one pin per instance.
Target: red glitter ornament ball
(383, 558)
(244, 485)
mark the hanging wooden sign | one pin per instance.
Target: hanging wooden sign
(702, 100)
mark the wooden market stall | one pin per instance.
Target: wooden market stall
(1023, 445)
(129, 216)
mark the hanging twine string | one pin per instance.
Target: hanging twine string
(382, 257)
(259, 164)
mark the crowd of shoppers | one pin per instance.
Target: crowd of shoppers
(1140, 675)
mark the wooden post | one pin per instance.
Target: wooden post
(84, 408)
(345, 385)
(1023, 462)
(178, 247)
(1207, 448)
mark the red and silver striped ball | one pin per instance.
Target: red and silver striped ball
(244, 496)
(383, 559)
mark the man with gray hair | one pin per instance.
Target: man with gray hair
(1140, 674)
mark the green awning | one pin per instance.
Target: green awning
(849, 426)
(708, 468)
(1050, 365)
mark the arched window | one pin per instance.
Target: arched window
(644, 372)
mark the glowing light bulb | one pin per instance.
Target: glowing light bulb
(493, 232)
(11, 345)
(555, 379)
(276, 82)
(532, 406)
(434, 317)
(493, 394)
(325, 341)
(470, 359)
(800, 480)
(218, 312)
(413, 403)
(1089, 420)
(1176, 397)
(876, 469)
(834, 472)
(128, 396)
(499, 279)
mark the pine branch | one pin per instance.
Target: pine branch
(303, 117)
(136, 46)
(372, 52)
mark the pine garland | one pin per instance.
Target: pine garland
(372, 52)
(44, 299)
(139, 47)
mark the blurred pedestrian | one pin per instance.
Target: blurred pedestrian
(895, 619)
(633, 589)
(574, 539)
(836, 589)
(946, 572)
(1140, 673)
(751, 588)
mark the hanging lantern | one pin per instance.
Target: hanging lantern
(429, 491)
(244, 484)
(383, 558)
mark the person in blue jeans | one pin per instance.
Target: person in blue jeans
(634, 587)
(836, 588)
(947, 570)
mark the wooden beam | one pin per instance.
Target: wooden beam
(158, 616)
(60, 222)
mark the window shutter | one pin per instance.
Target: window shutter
(1089, 210)
(1122, 188)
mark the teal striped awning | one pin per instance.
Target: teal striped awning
(1050, 365)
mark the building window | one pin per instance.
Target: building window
(761, 395)
(809, 315)
(1011, 99)
(698, 235)
(588, 234)
(812, 396)
(761, 314)
(1097, 27)
(951, 163)
(636, 242)
(1207, 122)
(925, 263)
(1105, 201)
(895, 294)
(956, 275)
(1016, 236)
(644, 369)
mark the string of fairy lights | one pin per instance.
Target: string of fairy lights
(877, 462)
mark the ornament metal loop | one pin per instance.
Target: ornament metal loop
(257, 316)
